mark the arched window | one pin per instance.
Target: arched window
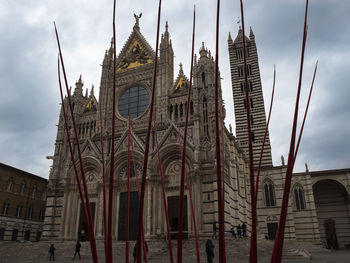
(33, 193)
(205, 116)
(170, 111)
(176, 111)
(203, 79)
(23, 188)
(9, 185)
(181, 110)
(191, 108)
(269, 194)
(299, 197)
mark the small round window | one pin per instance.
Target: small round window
(139, 99)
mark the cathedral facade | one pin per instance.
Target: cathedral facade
(64, 218)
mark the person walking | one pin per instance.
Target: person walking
(134, 254)
(239, 231)
(209, 249)
(244, 229)
(52, 252)
(215, 229)
(77, 250)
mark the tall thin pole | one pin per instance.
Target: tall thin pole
(182, 185)
(306, 111)
(88, 208)
(104, 182)
(111, 175)
(222, 253)
(164, 196)
(278, 245)
(264, 140)
(253, 239)
(145, 162)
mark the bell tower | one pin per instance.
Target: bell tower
(256, 99)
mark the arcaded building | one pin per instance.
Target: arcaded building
(135, 63)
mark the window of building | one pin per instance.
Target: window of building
(2, 233)
(250, 85)
(253, 136)
(170, 111)
(245, 103)
(205, 117)
(191, 108)
(299, 197)
(30, 213)
(14, 234)
(239, 53)
(251, 103)
(203, 80)
(23, 188)
(19, 209)
(41, 215)
(33, 193)
(9, 185)
(176, 111)
(249, 69)
(139, 100)
(5, 208)
(240, 71)
(251, 120)
(269, 194)
(181, 110)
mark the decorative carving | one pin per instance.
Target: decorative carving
(271, 218)
(136, 56)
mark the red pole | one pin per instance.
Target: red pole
(145, 162)
(263, 144)
(139, 193)
(222, 253)
(89, 217)
(278, 245)
(253, 239)
(70, 145)
(111, 175)
(181, 206)
(104, 183)
(164, 196)
(306, 111)
(128, 192)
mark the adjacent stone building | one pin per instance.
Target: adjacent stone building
(64, 219)
(23, 201)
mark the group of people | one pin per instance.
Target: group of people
(209, 246)
(241, 231)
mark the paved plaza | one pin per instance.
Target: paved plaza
(236, 251)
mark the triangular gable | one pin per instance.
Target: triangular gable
(123, 142)
(136, 52)
(171, 136)
(181, 82)
(90, 149)
(91, 105)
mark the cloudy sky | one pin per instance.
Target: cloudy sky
(29, 103)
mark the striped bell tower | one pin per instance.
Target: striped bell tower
(256, 99)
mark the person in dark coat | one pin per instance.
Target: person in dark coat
(134, 254)
(77, 250)
(233, 233)
(215, 229)
(244, 230)
(209, 249)
(52, 252)
(239, 231)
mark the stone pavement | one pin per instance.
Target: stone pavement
(236, 251)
